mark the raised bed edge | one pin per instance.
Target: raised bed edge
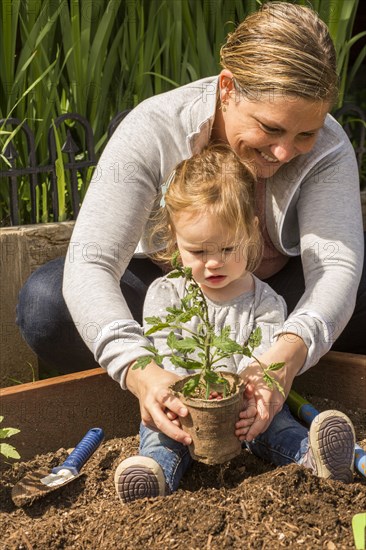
(57, 412)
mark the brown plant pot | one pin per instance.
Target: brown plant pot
(211, 423)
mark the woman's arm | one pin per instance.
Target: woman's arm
(326, 217)
(109, 226)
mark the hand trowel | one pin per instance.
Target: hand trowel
(36, 484)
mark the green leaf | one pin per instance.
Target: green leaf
(185, 316)
(172, 340)
(175, 260)
(185, 363)
(60, 177)
(191, 385)
(279, 387)
(271, 382)
(153, 320)
(141, 363)
(246, 351)
(222, 381)
(212, 377)
(187, 344)
(8, 432)
(174, 274)
(156, 328)
(174, 310)
(255, 338)
(225, 332)
(275, 366)
(227, 345)
(268, 380)
(152, 349)
(8, 451)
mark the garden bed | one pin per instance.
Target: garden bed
(243, 504)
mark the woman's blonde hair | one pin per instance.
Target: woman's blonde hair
(282, 48)
(218, 182)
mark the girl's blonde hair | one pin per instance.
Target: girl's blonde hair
(218, 182)
(282, 48)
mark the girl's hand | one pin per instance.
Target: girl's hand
(160, 409)
(247, 415)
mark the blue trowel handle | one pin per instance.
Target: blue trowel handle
(82, 452)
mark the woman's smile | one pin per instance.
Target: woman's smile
(267, 157)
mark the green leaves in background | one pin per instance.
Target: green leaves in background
(99, 57)
(7, 450)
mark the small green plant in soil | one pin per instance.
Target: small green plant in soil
(7, 450)
(213, 348)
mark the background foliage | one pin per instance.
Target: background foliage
(99, 57)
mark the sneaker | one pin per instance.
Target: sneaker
(332, 446)
(139, 477)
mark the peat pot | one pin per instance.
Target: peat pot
(211, 423)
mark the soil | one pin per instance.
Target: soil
(242, 504)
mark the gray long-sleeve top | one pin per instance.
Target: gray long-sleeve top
(260, 308)
(312, 208)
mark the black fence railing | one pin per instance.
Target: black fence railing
(78, 146)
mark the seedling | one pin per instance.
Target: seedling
(213, 348)
(7, 450)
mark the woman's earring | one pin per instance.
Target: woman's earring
(223, 106)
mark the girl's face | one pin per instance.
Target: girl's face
(270, 131)
(218, 263)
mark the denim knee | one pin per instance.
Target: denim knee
(46, 324)
(173, 457)
(41, 304)
(284, 442)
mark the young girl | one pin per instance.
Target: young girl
(208, 214)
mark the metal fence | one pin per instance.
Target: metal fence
(80, 156)
(78, 149)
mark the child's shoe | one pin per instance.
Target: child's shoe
(332, 446)
(139, 477)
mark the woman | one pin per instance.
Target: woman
(270, 103)
(207, 215)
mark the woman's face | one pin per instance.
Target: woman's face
(270, 131)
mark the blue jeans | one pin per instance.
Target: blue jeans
(284, 442)
(46, 324)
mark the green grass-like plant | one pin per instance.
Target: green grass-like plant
(99, 58)
(7, 450)
(213, 347)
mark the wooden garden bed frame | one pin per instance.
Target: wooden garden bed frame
(57, 412)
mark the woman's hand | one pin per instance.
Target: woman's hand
(160, 409)
(288, 348)
(267, 403)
